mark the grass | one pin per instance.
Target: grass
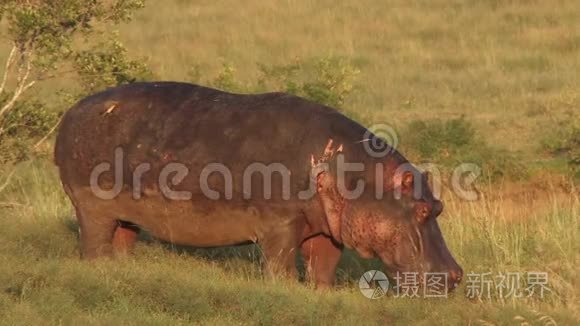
(42, 279)
(509, 67)
(492, 61)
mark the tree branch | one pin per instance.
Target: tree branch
(7, 68)
(23, 85)
(7, 181)
(48, 134)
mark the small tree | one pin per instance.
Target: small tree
(42, 33)
(43, 37)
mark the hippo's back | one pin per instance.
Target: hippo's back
(162, 123)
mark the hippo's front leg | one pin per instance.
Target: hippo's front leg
(321, 257)
(279, 248)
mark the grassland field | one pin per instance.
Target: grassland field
(510, 67)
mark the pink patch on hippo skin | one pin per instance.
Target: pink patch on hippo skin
(328, 153)
(167, 157)
(332, 203)
(328, 149)
(331, 200)
(358, 233)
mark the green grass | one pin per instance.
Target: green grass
(42, 279)
(509, 67)
(492, 61)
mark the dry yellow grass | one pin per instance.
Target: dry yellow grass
(510, 66)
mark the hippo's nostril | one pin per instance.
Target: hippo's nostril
(455, 277)
(452, 275)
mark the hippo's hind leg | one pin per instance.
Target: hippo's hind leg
(106, 236)
(321, 257)
(96, 234)
(95, 227)
(124, 237)
(279, 250)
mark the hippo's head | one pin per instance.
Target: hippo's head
(403, 232)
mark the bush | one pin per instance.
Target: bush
(440, 139)
(106, 65)
(22, 126)
(332, 82)
(43, 36)
(281, 77)
(452, 142)
(564, 142)
(327, 81)
(226, 79)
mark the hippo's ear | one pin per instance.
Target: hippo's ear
(406, 182)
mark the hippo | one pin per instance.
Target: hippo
(200, 167)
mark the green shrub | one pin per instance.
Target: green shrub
(29, 120)
(564, 142)
(440, 139)
(107, 64)
(226, 79)
(328, 81)
(22, 126)
(455, 141)
(42, 37)
(332, 82)
(280, 77)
